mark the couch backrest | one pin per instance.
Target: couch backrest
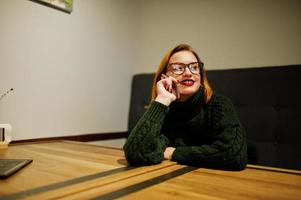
(267, 99)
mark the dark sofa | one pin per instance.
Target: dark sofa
(268, 101)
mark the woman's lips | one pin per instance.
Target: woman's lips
(187, 82)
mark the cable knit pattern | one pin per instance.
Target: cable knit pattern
(204, 135)
(145, 145)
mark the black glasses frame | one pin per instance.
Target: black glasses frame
(200, 65)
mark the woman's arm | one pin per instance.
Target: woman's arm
(145, 144)
(229, 149)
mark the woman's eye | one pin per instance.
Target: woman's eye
(178, 68)
(194, 68)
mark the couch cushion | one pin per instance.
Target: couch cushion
(268, 101)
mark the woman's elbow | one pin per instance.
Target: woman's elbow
(239, 163)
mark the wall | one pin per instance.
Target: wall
(70, 73)
(225, 33)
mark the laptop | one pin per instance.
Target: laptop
(10, 166)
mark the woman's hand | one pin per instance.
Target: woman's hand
(168, 153)
(167, 90)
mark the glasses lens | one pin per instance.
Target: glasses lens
(194, 68)
(177, 68)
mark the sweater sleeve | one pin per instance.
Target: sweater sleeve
(145, 144)
(228, 150)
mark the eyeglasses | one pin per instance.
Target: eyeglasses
(179, 68)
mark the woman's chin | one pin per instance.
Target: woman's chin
(185, 95)
(188, 91)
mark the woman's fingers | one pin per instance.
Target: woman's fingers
(163, 76)
(171, 84)
(171, 80)
(163, 86)
(167, 81)
(175, 84)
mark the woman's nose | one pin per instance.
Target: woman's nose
(187, 72)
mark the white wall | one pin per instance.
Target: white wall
(72, 73)
(225, 33)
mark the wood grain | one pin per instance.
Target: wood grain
(60, 170)
(216, 184)
(54, 162)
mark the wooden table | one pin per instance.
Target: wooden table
(74, 170)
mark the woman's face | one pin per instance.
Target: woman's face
(189, 83)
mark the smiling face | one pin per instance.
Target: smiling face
(189, 83)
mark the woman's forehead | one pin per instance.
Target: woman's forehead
(183, 57)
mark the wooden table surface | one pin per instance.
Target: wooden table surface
(74, 170)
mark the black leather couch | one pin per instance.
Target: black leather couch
(268, 101)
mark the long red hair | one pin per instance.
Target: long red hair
(163, 68)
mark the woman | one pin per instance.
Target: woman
(186, 122)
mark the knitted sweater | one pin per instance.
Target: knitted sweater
(206, 135)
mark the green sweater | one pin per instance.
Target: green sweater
(206, 135)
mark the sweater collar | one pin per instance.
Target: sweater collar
(188, 108)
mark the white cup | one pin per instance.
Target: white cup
(5, 135)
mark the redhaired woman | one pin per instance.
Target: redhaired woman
(186, 121)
